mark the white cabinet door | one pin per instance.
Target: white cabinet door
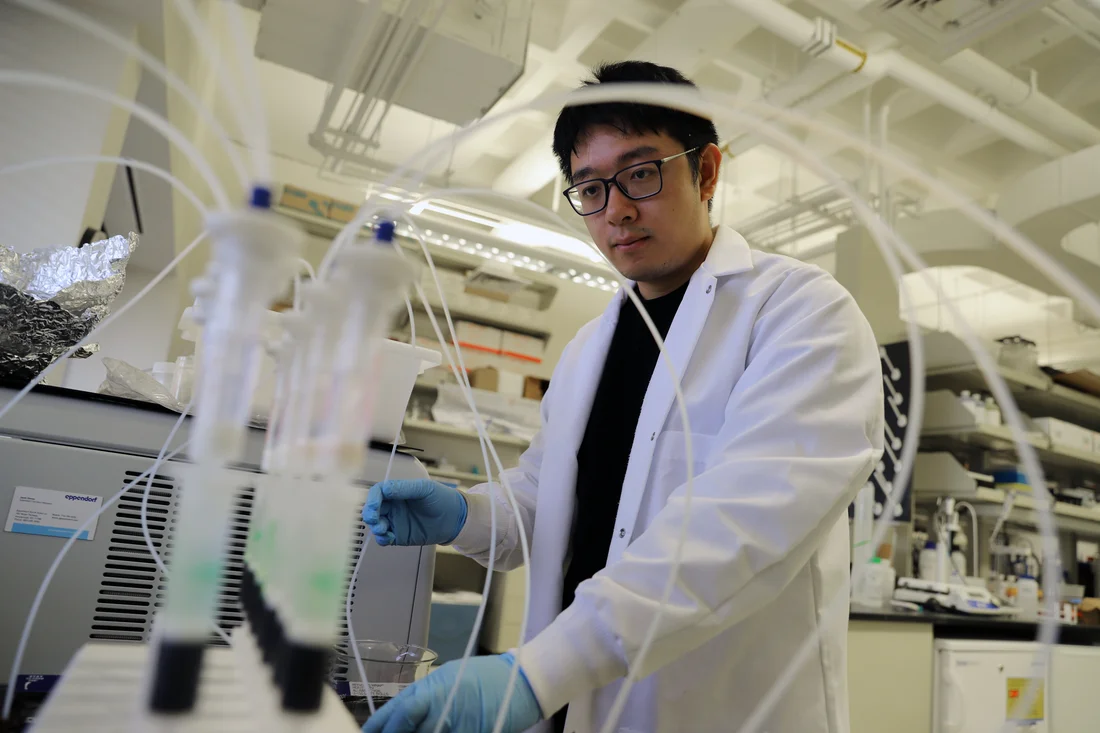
(1073, 691)
(981, 685)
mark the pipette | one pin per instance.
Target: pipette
(252, 259)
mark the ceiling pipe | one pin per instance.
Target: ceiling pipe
(806, 35)
(1022, 97)
(786, 211)
(885, 203)
(1012, 92)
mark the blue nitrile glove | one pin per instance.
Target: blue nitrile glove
(478, 701)
(414, 512)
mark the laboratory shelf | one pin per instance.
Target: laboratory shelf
(999, 438)
(939, 474)
(947, 425)
(950, 366)
(430, 426)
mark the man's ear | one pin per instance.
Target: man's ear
(709, 164)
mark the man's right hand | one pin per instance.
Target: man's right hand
(414, 512)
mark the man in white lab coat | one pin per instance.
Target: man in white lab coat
(783, 389)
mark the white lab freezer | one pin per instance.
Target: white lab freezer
(979, 685)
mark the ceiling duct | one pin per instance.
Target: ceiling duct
(942, 28)
(451, 60)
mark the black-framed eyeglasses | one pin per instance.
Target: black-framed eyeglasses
(637, 182)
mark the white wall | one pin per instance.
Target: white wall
(141, 337)
(50, 206)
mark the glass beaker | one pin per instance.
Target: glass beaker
(390, 667)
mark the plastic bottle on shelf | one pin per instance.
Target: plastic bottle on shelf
(992, 411)
(871, 588)
(969, 404)
(1027, 598)
(927, 564)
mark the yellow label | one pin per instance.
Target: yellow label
(1014, 698)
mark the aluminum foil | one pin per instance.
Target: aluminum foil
(51, 298)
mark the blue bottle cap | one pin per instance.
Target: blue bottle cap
(384, 231)
(261, 197)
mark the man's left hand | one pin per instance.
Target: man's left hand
(477, 701)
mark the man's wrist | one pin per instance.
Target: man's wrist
(463, 515)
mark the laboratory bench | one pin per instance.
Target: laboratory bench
(960, 626)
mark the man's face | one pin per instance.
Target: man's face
(653, 239)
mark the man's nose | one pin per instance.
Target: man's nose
(620, 208)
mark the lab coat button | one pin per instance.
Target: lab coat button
(622, 533)
(652, 436)
(709, 287)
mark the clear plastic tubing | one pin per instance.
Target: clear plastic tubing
(252, 259)
(369, 284)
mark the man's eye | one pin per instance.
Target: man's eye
(641, 174)
(591, 191)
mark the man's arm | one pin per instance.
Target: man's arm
(802, 432)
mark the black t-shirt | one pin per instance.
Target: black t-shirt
(605, 448)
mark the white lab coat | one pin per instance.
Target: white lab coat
(784, 396)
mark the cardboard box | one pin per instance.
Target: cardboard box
(1065, 435)
(477, 337)
(1088, 613)
(521, 346)
(535, 387)
(303, 200)
(342, 211)
(492, 379)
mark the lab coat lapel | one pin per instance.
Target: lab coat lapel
(729, 254)
(558, 479)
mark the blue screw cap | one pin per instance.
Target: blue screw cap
(384, 231)
(261, 197)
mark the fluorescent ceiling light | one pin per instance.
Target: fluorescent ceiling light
(423, 206)
(535, 236)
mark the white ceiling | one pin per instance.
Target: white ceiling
(725, 51)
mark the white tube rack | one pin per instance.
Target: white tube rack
(104, 690)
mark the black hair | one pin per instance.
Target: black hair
(687, 129)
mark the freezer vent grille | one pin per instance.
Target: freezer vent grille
(128, 588)
(341, 661)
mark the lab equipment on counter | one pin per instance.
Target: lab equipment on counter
(927, 564)
(932, 596)
(875, 585)
(1027, 598)
(390, 668)
(66, 441)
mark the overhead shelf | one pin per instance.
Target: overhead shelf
(950, 366)
(947, 425)
(430, 426)
(939, 474)
(999, 438)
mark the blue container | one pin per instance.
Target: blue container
(450, 628)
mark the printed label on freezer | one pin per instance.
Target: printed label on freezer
(51, 513)
(1014, 698)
